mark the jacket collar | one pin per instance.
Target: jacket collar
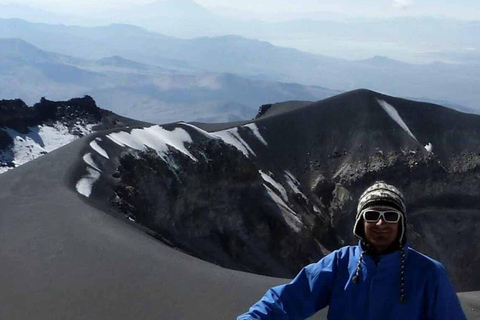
(389, 259)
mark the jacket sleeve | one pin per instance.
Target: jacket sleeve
(308, 293)
(444, 303)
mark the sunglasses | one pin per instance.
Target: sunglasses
(373, 215)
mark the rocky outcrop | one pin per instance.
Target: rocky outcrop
(262, 110)
(15, 114)
(29, 132)
(217, 209)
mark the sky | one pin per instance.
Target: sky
(285, 9)
(462, 9)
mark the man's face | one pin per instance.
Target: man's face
(381, 234)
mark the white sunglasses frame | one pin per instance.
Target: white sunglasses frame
(382, 215)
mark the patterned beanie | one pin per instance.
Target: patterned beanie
(381, 194)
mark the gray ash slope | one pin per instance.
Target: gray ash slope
(29, 132)
(273, 195)
(64, 259)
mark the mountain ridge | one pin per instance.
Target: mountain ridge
(296, 176)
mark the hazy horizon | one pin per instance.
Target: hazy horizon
(280, 10)
(404, 30)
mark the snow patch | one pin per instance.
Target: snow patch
(429, 147)
(232, 137)
(55, 137)
(256, 132)
(156, 138)
(84, 185)
(293, 183)
(275, 184)
(38, 141)
(85, 129)
(89, 160)
(26, 147)
(229, 136)
(393, 113)
(94, 145)
(288, 214)
(203, 132)
(125, 139)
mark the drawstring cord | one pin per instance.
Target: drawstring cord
(402, 276)
(356, 277)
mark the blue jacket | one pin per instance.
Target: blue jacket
(428, 292)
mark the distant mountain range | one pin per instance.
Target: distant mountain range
(137, 90)
(419, 38)
(255, 60)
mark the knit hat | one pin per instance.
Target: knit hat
(381, 194)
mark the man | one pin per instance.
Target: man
(379, 279)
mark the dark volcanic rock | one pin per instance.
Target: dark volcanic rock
(69, 111)
(16, 115)
(216, 209)
(5, 140)
(268, 110)
(262, 110)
